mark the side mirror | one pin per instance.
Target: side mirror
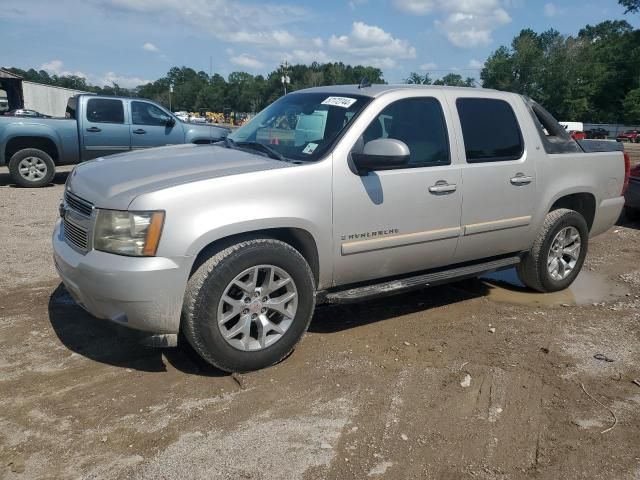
(381, 154)
(170, 121)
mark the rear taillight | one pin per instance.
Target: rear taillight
(627, 172)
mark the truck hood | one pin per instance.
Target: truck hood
(114, 181)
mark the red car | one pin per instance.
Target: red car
(632, 136)
(577, 135)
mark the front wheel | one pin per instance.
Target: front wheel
(248, 305)
(31, 167)
(558, 252)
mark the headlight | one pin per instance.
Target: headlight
(128, 233)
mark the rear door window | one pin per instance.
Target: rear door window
(490, 130)
(104, 110)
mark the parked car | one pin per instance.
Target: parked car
(632, 195)
(597, 133)
(632, 136)
(95, 126)
(21, 112)
(331, 194)
(577, 135)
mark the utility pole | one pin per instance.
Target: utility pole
(285, 79)
(170, 92)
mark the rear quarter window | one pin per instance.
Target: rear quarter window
(490, 130)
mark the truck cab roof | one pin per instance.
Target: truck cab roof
(377, 90)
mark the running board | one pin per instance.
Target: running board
(391, 287)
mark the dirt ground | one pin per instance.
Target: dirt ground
(476, 380)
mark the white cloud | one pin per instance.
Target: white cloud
(56, 67)
(551, 10)
(428, 66)
(122, 80)
(246, 61)
(371, 45)
(150, 47)
(466, 23)
(473, 63)
(235, 22)
(353, 4)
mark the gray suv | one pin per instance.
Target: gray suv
(332, 194)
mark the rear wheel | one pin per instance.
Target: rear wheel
(247, 306)
(32, 168)
(558, 253)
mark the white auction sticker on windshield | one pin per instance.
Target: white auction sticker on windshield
(310, 148)
(344, 102)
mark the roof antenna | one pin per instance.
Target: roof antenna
(364, 83)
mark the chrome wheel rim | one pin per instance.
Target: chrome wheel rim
(257, 308)
(564, 253)
(32, 168)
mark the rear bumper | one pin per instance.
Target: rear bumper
(141, 293)
(607, 214)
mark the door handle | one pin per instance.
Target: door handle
(140, 131)
(442, 186)
(94, 129)
(521, 179)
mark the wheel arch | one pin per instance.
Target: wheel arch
(582, 202)
(298, 238)
(40, 142)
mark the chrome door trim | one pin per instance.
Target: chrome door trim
(401, 240)
(503, 224)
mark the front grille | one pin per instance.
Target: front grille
(78, 204)
(75, 235)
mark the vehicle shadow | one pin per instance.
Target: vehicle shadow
(335, 318)
(625, 221)
(109, 343)
(58, 179)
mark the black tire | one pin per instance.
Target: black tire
(44, 161)
(533, 270)
(209, 282)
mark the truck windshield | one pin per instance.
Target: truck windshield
(302, 126)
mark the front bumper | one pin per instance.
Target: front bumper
(144, 293)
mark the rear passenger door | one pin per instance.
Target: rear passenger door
(498, 176)
(149, 127)
(104, 129)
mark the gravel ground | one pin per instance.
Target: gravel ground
(476, 380)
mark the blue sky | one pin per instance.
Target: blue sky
(132, 41)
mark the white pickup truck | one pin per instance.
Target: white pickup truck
(331, 194)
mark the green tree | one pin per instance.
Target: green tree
(632, 107)
(415, 78)
(632, 6)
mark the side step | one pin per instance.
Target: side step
(391, 287)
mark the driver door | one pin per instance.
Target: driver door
(149, 127)
(395, 222)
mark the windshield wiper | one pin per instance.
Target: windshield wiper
(270, 151)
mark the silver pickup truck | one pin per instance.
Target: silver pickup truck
(331, 194)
